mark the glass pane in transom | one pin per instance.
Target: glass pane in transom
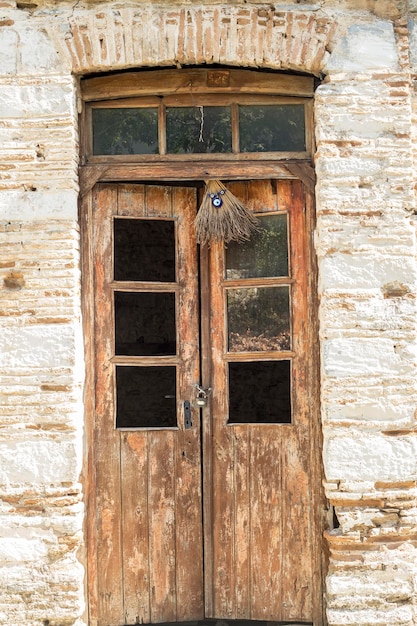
(144, 250)
(272, 128)
(125, 131)
(198, 129)
(264, 255)
(258, 319)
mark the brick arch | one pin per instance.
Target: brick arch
(119, 38)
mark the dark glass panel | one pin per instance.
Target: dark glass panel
(258, 319)
(125, 131)
(259, 392)
(145, 324)
(144, 250)
(264, 255)
(146, 397)
(198, 130)
(272, 128)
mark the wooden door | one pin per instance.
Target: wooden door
(238, 479)
(145, 548)
(262, 537)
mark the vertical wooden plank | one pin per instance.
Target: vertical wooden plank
(266, 514)
(223, 515)
(297, 520)
(106, 438)
(262, 196)
(162, 544)
(188, 512)
(86, 223)
(158, 201)
(318, 505)
(242, 504)
(223, 523)
(297, 528)
(134, 519)
(131, 200)
(207, 429)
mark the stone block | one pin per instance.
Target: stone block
(387, 616)
(22, 550)
(41, 205)
(369, 456)
(365, 47)
(38, 462)
(359, 356)
(38, 99)
(365, 271)
(8, 51)
(37, 346)
(37, 52)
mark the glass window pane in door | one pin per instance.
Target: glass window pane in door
(258, 319)
(197, 129)
(144, 250)
(146, 397)
(145, 324)
(272, 128)
(125, 131)
(260, 392)
(264, 255)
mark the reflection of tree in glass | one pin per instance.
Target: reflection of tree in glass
(198, 130)
(125, 131)
(272, 128)
(264, 255)
(258, 319)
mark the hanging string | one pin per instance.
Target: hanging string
(200, 138)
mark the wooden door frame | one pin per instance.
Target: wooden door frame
(174, 172)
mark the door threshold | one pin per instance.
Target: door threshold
(228, 622)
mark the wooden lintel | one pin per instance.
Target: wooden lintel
(224, 170)
(161, 82)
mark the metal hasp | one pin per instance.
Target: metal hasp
(202, 395)
(187, 415)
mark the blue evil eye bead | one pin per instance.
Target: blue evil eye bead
(217, 202)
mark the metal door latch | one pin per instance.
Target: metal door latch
(187, 415)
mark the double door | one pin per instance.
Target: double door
(204, 477)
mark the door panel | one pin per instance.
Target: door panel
(245, 492)
(148, 559)
(262, 505)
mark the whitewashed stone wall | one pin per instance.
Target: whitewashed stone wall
(365, 114)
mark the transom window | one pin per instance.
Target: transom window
(197, 112)
(272, 125)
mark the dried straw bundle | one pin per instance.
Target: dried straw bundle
(222, 216)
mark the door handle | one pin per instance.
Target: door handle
(187, 415)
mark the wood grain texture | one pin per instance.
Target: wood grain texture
(106, 439)
(262, 498)
(164, 81)
(147, 483)
(263, 515)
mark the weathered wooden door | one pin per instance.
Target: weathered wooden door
(202, 512)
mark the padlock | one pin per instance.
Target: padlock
(201, 399)
(202, 395)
